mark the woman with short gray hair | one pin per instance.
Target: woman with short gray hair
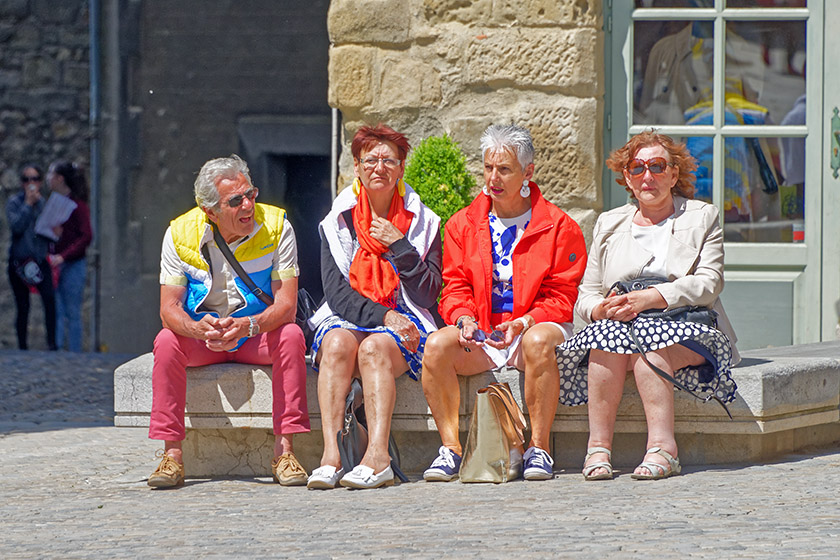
(512, 262)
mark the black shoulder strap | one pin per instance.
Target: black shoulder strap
(223, 247)
(664, 375)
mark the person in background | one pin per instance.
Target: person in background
(28, 266)
(67, 255)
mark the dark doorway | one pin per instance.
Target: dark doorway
(301, 185)
(289, 158)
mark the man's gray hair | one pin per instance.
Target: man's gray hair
(500, 137)
(206, 191)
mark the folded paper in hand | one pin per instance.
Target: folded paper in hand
(56, 211)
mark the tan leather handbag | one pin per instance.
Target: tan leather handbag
(494, 448)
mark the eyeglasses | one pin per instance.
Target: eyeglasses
(480, 336)
(655, 165)
(250, 194)
(30, 178)
(372, 162)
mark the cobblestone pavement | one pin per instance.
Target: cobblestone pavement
(74, 486)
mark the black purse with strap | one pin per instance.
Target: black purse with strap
(306, 305)
(690, 313)
(687, 313)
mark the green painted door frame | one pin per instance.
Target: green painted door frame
(776, 293)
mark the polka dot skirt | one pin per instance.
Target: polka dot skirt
(654, 334)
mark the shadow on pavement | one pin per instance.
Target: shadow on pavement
(56, 390)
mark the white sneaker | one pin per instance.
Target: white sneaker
(324, 478)
(363, 477)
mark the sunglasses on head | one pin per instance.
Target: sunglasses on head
(250, 194)
(655, 165)
(29, 178)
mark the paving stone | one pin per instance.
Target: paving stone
(76, 488)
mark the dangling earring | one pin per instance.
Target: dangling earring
(401, 187)
(525, 191)
(357, 186)
(485, 191)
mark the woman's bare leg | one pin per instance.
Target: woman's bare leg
(336, 364)
(542, 379)
(380, 363)
(443, 361)
(658, 397)
(607, 372)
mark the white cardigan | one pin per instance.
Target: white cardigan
(421, 233)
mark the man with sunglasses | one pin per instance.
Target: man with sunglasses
(210, 315)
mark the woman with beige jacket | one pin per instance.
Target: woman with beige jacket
(662, 232)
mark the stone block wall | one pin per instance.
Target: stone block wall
(180, 78)
(428, 67)
(44, 105)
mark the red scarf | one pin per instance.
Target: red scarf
(371, 275)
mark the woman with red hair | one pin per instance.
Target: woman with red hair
(662, 232)
(381, 273)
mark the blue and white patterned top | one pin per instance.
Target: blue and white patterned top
(505, 233)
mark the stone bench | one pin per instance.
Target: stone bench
(787, 399)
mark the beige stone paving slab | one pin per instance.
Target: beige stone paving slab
(80, 492)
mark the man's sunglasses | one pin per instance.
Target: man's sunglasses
(250, 194)
(29, 178)
(655, 165)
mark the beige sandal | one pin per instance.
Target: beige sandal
(656, 470)
(606, 465)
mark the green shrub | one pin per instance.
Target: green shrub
(437, 170)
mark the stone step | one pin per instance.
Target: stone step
(787, 399)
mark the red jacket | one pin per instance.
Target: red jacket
(548, 263)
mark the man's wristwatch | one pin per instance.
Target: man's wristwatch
(253, 327)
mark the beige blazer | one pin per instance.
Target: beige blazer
(694, 264)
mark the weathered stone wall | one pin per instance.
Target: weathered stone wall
(432, 66)
(178, 79)
(44, 102)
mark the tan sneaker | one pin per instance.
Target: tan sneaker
(287, 470)
(170, 473)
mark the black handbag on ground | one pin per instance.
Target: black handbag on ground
(687, 313)
(306, 306)
(353, 438)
